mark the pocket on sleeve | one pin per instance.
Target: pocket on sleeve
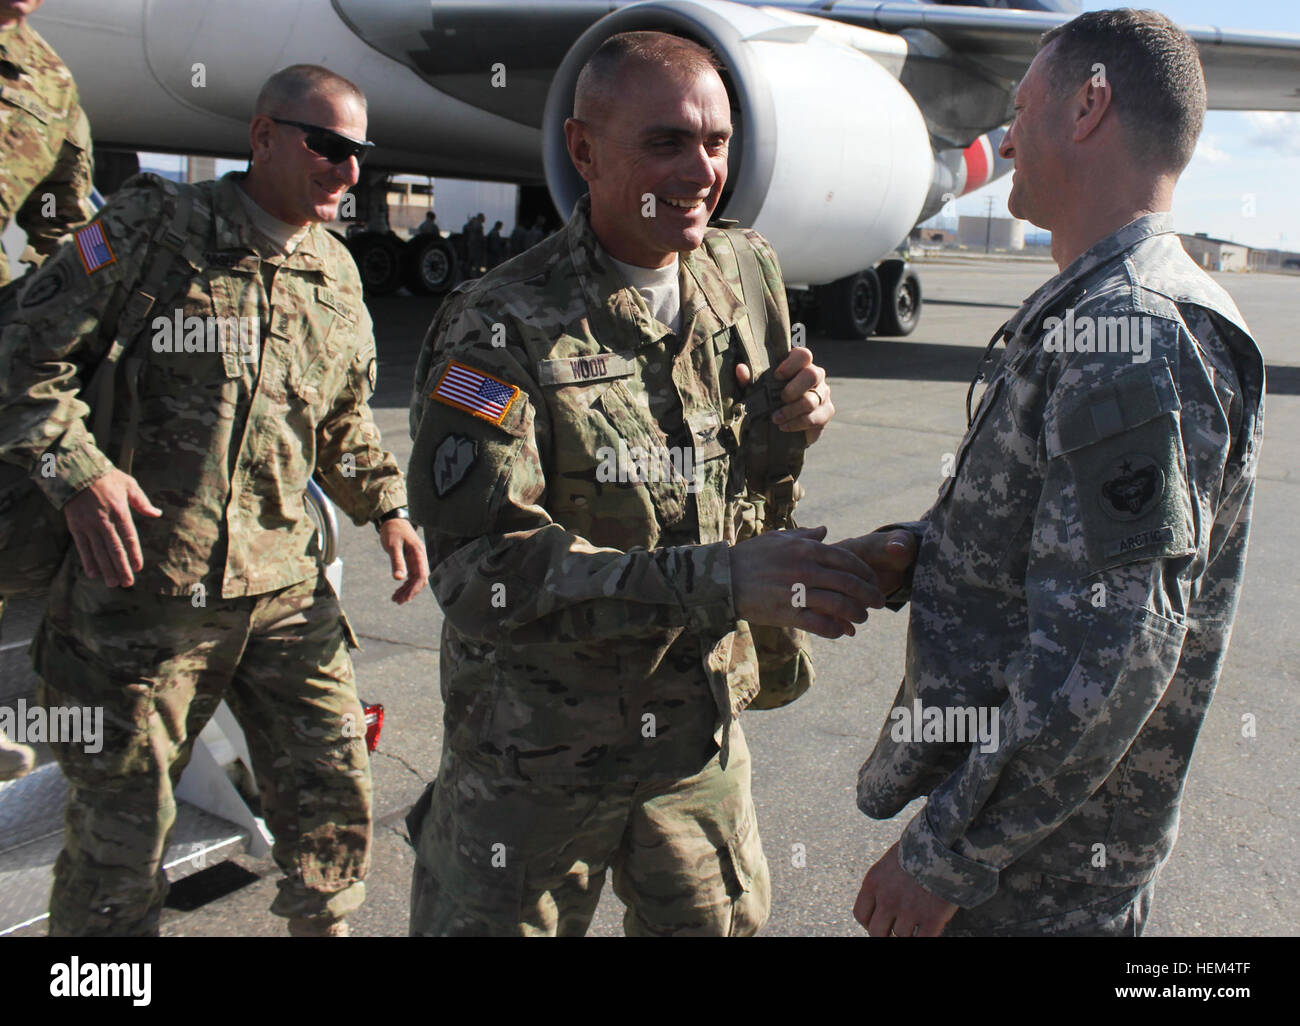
(1123, 446)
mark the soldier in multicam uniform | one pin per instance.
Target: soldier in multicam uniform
(595, 648)
(46, 157)
(1080, 570)
(46, 167)
(218, 595)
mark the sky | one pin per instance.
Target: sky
(1243, 184)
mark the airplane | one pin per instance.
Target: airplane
(855, 120)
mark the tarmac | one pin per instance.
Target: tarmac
(899, 410)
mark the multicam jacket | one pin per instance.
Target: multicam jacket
(244, 390)
(1078, 576)
(580, 472)
(45, 152)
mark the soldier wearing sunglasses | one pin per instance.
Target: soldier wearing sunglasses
(193, 577)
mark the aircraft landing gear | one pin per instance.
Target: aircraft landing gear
(884, 300)
(851, 306)
(432, 266)
(901, 289)
(378, 256)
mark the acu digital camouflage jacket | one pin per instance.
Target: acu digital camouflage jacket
(1078, 577)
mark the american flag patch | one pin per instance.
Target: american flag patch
(93, 247)
(480, 394)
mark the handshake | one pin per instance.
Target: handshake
(792, 579)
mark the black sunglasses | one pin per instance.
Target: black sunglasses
(329, 144)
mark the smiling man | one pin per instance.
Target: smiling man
(591, 439)
(1078, 574)
(194, 576)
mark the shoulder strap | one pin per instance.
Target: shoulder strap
(751, 285)
(777, 454)
(170, 245)
(744, 259)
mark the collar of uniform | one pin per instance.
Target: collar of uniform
(16, 46)
(612, 304)
(235, 230)
(1114, 245)
(710, 290)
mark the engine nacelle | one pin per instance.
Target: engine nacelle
(831, 159)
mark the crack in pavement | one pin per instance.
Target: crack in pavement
(397, 758)
(401, 644)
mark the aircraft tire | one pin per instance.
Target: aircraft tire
(379, 260)
(850, 307)
(430, 265)
(901, 292)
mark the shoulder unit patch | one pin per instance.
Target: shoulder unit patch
(451, 462)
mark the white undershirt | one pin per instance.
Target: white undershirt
(284, 236)
(660, 289)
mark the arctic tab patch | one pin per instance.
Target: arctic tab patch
(473, 391)
(1142, 541)
(452, 461)
(93, 247)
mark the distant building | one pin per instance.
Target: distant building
(1216, 254)
(995, 232)
(932, 236)
(1274, 260)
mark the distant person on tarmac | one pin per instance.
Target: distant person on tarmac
(518, 239)
(475, 248)
(536, 233)
(429, 226)
(496, 245)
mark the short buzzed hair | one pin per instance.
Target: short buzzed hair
(290, 86)
(627, 50)
(1155, 73)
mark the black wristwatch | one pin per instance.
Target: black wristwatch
(400, 513)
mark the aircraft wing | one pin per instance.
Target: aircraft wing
(1243, 70)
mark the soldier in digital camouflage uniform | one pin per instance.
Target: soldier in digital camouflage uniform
(595, 649)
(221, 596)
(45, 156)
(1079, 572)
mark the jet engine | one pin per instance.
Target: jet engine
(831, 159)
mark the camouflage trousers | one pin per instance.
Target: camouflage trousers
(159, 667)
(499, 857)
(1029, 903)
(15, 759)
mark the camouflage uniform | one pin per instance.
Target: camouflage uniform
(592, 661)
(45, 152)
(1078, 575)
(230, 602)
(46, 148)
